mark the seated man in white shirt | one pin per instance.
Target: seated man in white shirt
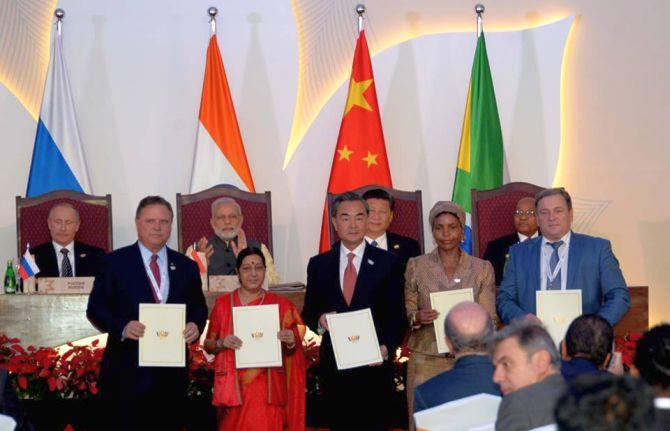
(63, 256)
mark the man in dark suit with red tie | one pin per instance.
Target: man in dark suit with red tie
(142, 398)
(63, 256)
(354, 276)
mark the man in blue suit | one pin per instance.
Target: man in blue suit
(139, 398)
(468, 328)
(352, 276)
(561, 259)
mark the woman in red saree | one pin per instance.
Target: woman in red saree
(263, 399)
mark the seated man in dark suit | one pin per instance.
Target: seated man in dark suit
(381, 205)
(527, 368)
(468, 328)
(63, 256)
(652, 362)
(587, 348)
(525, 225)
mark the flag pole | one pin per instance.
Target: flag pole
(360, 10)
(59, 14)
(212, 11)
(479, 9)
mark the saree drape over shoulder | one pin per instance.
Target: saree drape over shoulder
(259, 398)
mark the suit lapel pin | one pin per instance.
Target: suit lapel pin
(371, 262)
(457, 280)
(396, 246)
(172, 267)
(82, 255)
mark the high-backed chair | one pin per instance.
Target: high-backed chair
(407, 214)
(493, 212)
(194, 212)
(95, 213)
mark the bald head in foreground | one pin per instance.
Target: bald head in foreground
(468, 328)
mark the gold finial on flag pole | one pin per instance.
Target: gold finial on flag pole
(212, 11)
(479, 9)
(360, 10)
(59, 14)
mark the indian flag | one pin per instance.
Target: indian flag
(480, 156)
(219, 151)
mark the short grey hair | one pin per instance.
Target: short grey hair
(531, 337)
(225, 201)
(347, 197)
(64, 205)
(477, 343)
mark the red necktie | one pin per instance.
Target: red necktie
(349, 281)
(155, 270)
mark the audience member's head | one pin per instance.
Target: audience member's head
(349, 215)
(468, 328)
(524, 217)
(381, 205)
(652, 358)
(523, 354)
(226, 218)
(590, 337)
(63, 222)
(605, 402)
(553, 209)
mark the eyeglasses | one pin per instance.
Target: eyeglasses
(529, 213)
(247, 269)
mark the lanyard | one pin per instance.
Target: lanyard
(547, 262)
(154, 284)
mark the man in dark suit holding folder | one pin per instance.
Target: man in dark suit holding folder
(354, 276)
(139, 398)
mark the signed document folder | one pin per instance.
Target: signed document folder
(443, 302)
(257, 327)
(557, 309)
(476, 412)
(163, 343)
(354, 339)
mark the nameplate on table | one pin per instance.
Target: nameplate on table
(62, 285)
(257, 326)
(228, 283)
(443, 302)
(354, 339)
(557, 309)
(163, 343)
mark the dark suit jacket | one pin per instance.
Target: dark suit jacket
(87, 259)
(119, 288)
(403, 247)
(497, 251)
(662, 422)
(471, 375)
(532, 406)
(357, 398)
(577, 367)
(592, 267)
(9, 404)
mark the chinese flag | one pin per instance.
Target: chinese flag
(360, 156)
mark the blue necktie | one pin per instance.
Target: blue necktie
(556, 284)
(374, 243)
(66, 265)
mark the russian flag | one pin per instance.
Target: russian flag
(28, 267)
(58, 159)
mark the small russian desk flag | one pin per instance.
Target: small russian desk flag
(28, 267)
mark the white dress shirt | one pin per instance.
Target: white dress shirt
(382, 242)
(545, 256)
(523, 237)
(59, 257)
(344, 260)
(164, 288)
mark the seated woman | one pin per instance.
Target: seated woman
(256, 398)
(447, 267)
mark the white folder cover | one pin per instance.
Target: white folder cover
(443, 302)
(257, 327)
(163, 342)
(557, 309)
(470, 413)
(354, 339)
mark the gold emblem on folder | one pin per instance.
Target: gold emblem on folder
(162, 334)
(257, 335)
(560, 319)
(354, 338)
